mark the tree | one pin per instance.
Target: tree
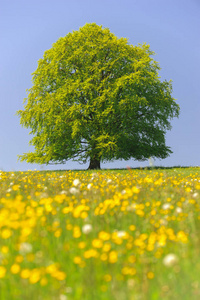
(97, 97)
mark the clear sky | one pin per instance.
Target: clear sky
(171, 28)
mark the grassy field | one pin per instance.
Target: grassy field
(103, 235)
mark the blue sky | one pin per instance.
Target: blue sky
(171, 28)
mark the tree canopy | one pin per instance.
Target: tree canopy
(96, 97)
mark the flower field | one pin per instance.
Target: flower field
(103, 235)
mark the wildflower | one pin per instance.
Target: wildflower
(2, 271)
(195, 195)
(135, 190)
(170, 260)
(63, 297)
(87, 228)
(182, 236)
(76, 232)
(89, 186)
(73, 191)
(6, 233)
(63, 192)
(166, 206)
(25, 248)
(103, 235)
(132, 227)
(113, 256)
(121, 234)
(77, 260)
(107, 277)
(90, 253)
(76, 182)
(68, 290)
(97, 243)
(179, 210)
(4, 249)
(34, 276)
(25, 273)
(43, 281)
(150, 275)
(15, 268)
(106, 247)
(15, 187)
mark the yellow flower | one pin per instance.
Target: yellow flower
(150, 275)
(103, 235)
(132, 227)
(135, 190)
(182, 236)
(15, 187)
(96, 243)
(113, 256)
(84, 215)
(107, 277)
(15, 268)
(19, 258)
(43, 281)
(76, 232)
(25, 273)
(34, 276)
(58, 232)
(106, 247)
(91, 253)
(2, 271)
(104, 257)
(4, 249)
(6, 233)
(52, 268)
(132, 259)
(77, 260)
(59, 275)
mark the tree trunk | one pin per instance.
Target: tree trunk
(94, 164)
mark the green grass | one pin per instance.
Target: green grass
(106, 235)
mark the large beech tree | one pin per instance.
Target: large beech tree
(96, 97)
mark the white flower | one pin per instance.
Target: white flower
(179, 210)
(166, 206)
(68, 290)
(89, 186)
(63, 192)
(25, 248)
(121, 234)
(109, 181)
(74, 191)
(76, 182)
(163, 222)
(195, 195)
(63, 297)
(170, 260)
(87, 228)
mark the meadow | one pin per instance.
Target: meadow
(104, 235)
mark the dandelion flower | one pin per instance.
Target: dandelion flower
(76, 182)
(166, 206)
(87, 228)
(170, 260)
(25, 248)
(2, 271)
(74, 191)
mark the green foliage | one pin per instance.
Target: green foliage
(95, 96)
